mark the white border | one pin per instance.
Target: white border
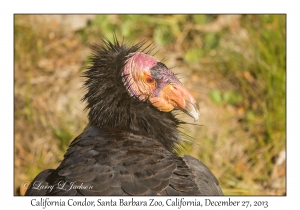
(8, 8)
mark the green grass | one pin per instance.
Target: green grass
(265, 95)
(240, 76)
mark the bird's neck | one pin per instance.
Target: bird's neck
(122, 112)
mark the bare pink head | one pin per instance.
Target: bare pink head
(148, 79)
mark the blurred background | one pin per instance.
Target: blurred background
(234, 65)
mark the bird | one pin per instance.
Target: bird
(130, 144)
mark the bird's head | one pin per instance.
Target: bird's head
(146, 78)
(130, 89)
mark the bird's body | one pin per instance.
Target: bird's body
(129, 146)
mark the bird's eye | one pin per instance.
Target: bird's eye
(150, 79)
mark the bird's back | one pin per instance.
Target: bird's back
(102, 162)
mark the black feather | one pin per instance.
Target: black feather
(110, 104)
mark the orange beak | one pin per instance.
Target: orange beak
(175, 96)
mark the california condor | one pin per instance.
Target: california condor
(129, 146)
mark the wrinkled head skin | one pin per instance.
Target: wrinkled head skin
(148, 79)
